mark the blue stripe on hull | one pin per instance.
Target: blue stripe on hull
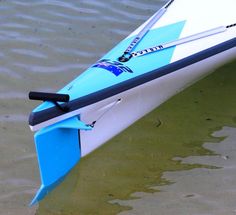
(95, 78)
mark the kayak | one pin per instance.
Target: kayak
(180, 44)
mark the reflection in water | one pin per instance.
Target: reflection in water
(44, 45)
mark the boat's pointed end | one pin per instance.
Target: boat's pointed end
(39, 195)
(33, 202)
(44, 190)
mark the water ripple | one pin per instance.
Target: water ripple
(13, 118)
(29, 53)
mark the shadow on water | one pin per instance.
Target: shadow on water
(136, 159)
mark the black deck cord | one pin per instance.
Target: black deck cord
(230, 26)
(168, 4)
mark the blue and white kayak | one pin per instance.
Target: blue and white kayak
(183, 42)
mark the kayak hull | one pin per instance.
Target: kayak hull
(125, 108)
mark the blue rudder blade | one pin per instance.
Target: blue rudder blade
(58, 150)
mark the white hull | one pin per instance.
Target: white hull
(137, 102)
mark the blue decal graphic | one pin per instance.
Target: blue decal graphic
(113, 66)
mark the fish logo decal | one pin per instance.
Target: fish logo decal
(115, 67)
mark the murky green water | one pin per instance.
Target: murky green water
(44, 45)
(196, 191)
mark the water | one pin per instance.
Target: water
(196, 191)
(44, 45)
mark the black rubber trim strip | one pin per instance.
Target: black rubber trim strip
(50, 113)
